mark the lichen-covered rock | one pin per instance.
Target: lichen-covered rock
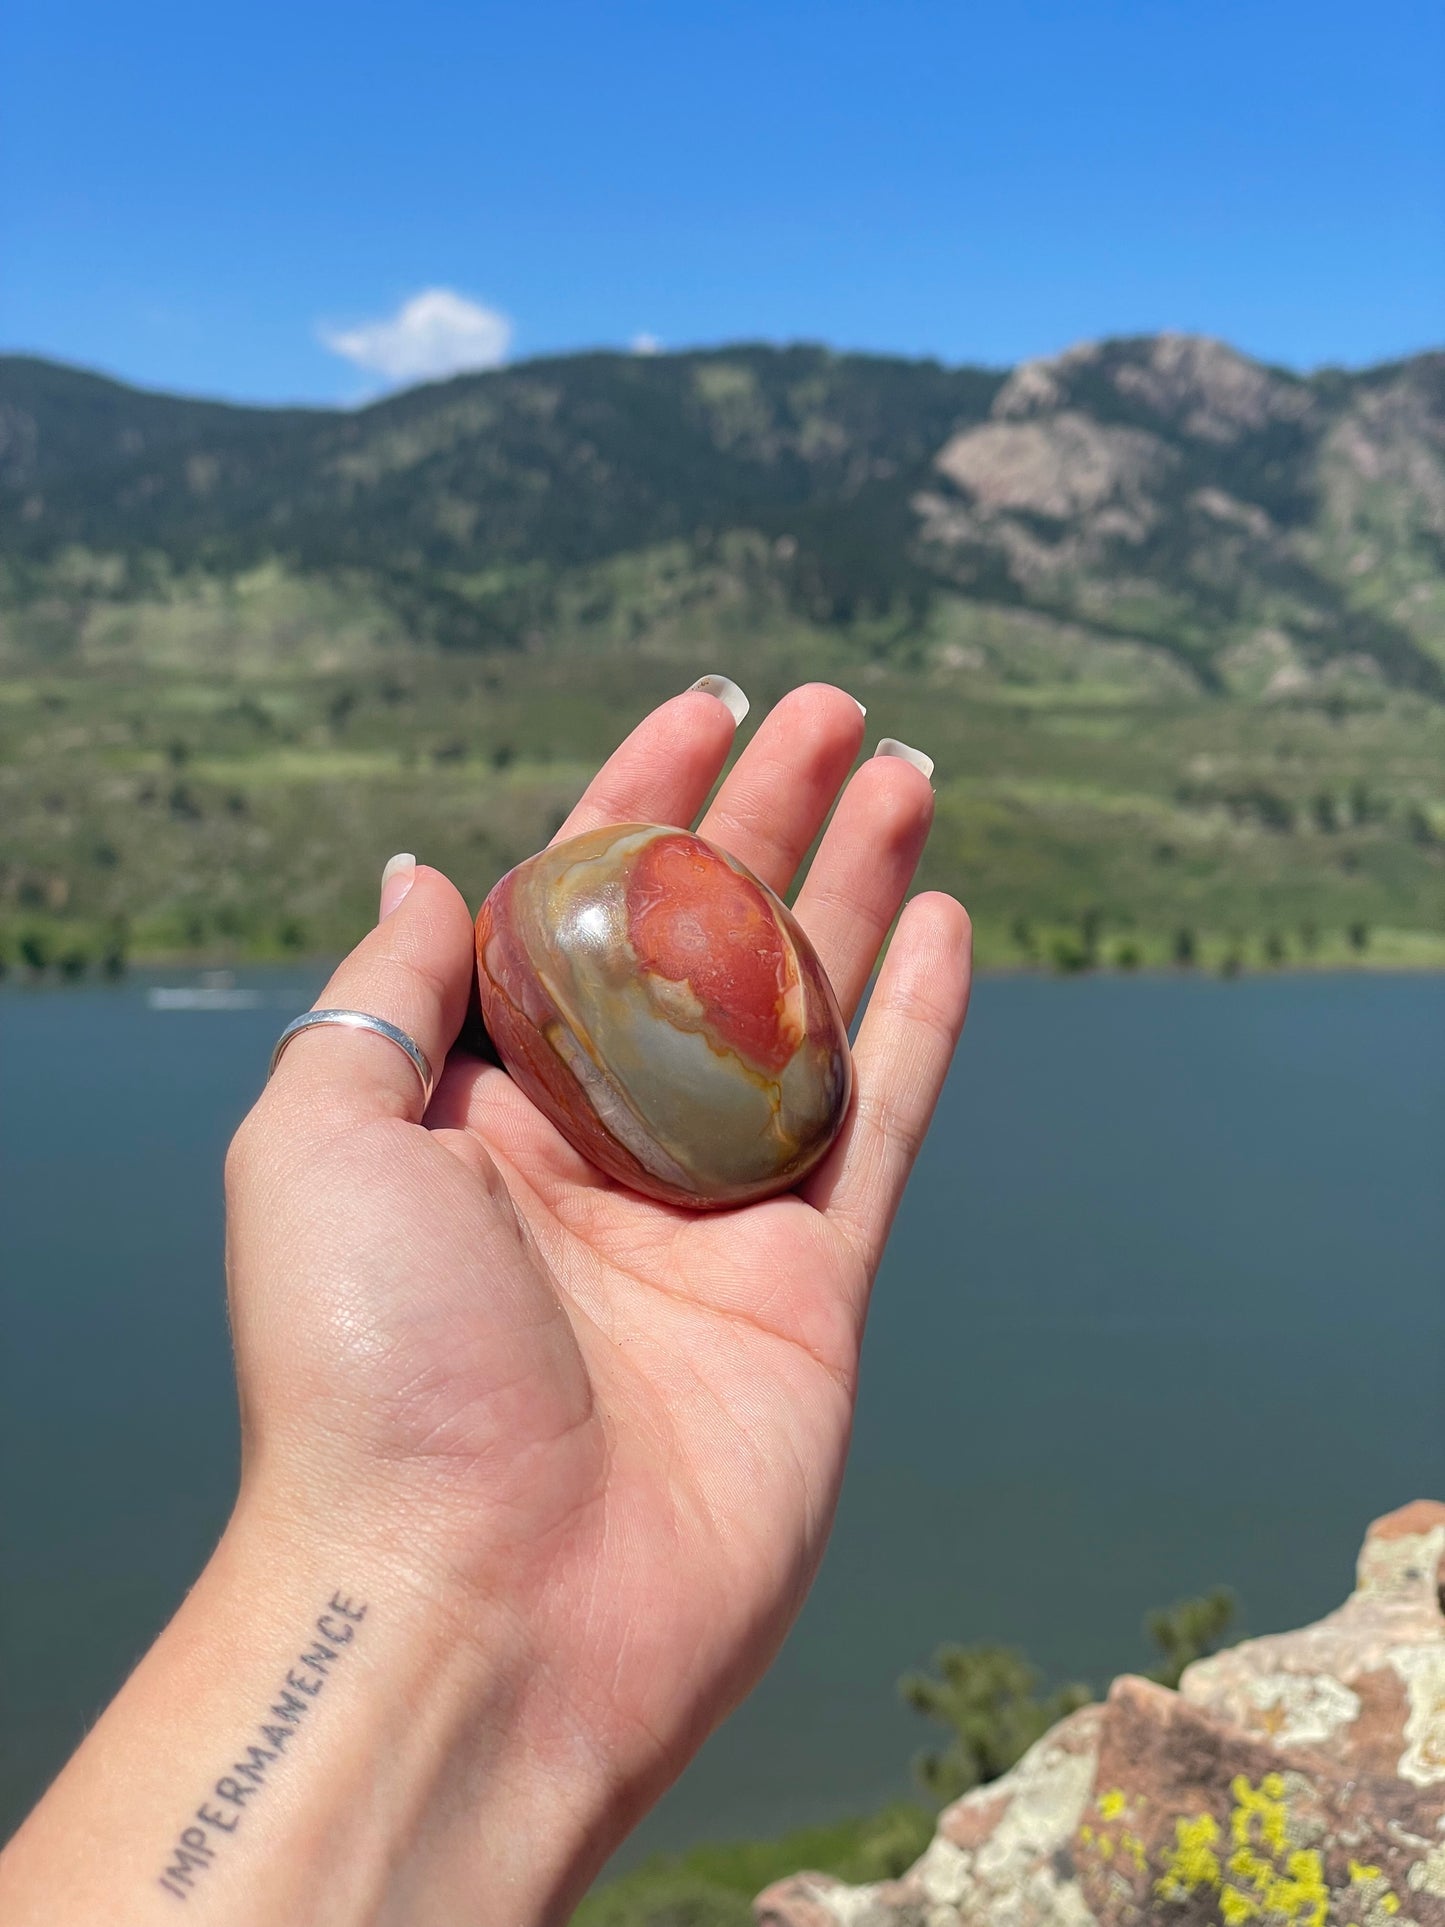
(1295, 1781)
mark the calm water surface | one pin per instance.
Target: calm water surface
(1165, 1309)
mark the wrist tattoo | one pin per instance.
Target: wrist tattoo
(224, 1807)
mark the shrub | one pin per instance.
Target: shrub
(712, 1886)
(988, 1697)
(1189, 1630)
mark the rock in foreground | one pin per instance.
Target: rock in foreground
(1294, 1781)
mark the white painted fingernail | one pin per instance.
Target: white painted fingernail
(862, 707)
(396, 879)
(728, 694)
(890, 746)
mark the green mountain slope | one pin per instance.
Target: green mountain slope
(1165, 490)
(1171, 623)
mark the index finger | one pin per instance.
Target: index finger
(663, 771)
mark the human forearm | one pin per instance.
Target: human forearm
(312, 1739)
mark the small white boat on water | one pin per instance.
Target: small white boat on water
(217, 990)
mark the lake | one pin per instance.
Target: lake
(1165, 1309)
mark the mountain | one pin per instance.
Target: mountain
(1256, 529)
(1171, 623)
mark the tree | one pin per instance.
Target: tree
(36, 950)
(1069, 956)
(1090, 924)
(988, 1699)
(1188, 1630)
(1359, 934)
(987, 1696)
(114, 947)
(1184, 947)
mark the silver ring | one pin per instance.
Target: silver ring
(360, 1020)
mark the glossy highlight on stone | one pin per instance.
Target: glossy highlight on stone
(665, 1011)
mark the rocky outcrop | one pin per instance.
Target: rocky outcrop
(1202, 388)
(1090, 453)
(1060, 468)
(1295, 1781)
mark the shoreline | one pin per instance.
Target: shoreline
(199, 974)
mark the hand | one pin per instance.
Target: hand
(593, 1442)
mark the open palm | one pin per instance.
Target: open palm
(620, 1424)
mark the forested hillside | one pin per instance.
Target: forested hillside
(1171, 622)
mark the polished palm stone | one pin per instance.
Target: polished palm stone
(666, 1012)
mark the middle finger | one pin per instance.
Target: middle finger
(780, 789)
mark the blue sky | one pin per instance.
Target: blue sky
(309, 201)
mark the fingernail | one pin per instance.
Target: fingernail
(890, 746)
(396, 879)
(862, 707)
(728, 694)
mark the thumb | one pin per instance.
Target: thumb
(413, 970)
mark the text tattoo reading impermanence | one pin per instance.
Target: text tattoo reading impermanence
(220, 1813)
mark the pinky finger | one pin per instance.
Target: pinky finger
(905, 1046)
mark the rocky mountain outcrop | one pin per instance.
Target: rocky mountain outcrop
(1297, 1780)
(1171, 486)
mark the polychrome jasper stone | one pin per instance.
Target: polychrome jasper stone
(666, 1012)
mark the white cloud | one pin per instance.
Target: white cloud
(646, 345)
(436, 333)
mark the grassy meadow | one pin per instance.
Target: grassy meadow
(1095, 809)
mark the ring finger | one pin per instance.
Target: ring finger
(865, 863)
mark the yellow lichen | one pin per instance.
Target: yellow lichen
(1261, 1806)
(1297, 1894)
(1246, 1864)
(1192, 1862)
(1380, 1903)
(1112, 1803)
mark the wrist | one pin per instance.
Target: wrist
(445, 1781)
(320, 1734)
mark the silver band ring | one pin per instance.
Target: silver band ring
(360, 1020)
